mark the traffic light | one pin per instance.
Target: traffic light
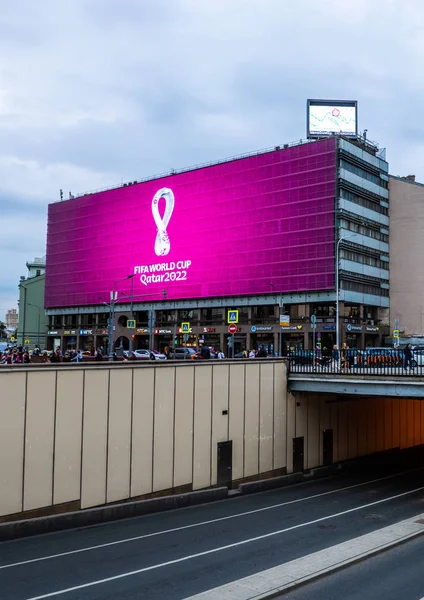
(133, 336)
(164, 292)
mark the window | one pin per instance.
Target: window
(363, 173)
(363, 259)
(38, 272)
(364, 230)
(365, 202)
(363, 288)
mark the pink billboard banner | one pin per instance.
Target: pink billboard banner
(257, 225)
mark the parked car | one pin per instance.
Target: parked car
(143, 354)
(181, 353)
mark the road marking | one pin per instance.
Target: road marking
(219, 549)
(290, 575)
(201, 523)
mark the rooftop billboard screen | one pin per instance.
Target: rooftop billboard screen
(332, 117)
(257, 225)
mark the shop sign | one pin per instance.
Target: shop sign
(68, 332)
(354, 327)
(162, 331)
(256, 328)
(373, 329)
(209, 329)
(292, 327)
(86, 332)
(52, 333)
(142, 330)
(329, 327)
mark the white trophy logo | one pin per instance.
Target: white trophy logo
(162, 243)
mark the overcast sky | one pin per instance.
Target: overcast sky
(96, 91)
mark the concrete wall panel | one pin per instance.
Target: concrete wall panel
(313, 431)
(291, 428)
(403, 419)
(68, 438)
(184, 397)
(324, 423)
(236, 418)
(142, 432)
(266, 412)
(202, 427)
(251, 420)
(12, 427)
(379, 426)
(163, 445)
(39, 435)
(334, 424)
(220, 373)
(371, 426)
(280, 415)
(94, 453)
(388, 424)
(343, 431)
(119, 435)
(352, 431)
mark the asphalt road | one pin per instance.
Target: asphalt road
(181, 553)
(392, 575)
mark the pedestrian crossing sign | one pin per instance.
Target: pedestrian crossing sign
(233, 316)
(185, 327)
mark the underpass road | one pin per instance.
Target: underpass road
(180, 553)
(393, 575)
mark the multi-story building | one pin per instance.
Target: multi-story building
(32, 322)
(406, 266)
(260, 234)
(12, 319)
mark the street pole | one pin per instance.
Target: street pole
(151, 320)
(337, 295)
(280, 342)
(39, 325)
(131, 309)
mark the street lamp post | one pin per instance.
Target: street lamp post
(132, 306)
(338, 288)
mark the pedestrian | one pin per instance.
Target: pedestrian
(221, 355)
(252, 354)
(99, 355)
(262, 352)
(407, 353)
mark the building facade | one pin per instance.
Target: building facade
(12, 319)
(264, 235)
(33, 321)
(406, 265)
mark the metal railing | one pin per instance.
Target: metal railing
(351, 362)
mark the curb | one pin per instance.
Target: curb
(277, 581)
(263, 485)
(277, 593)
(104, 514)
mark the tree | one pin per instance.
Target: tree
(3, 333)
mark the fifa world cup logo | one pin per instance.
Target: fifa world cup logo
(162, 242)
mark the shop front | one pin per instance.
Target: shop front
(69, 340)
(210, 337)
(53, 340)
(141, 339)
(163, 340)
(354, 335)
(325, 337)
(86, 340)
(292, 338)
(372, 336)
(262, 335)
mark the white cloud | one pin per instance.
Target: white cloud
(88, 96)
